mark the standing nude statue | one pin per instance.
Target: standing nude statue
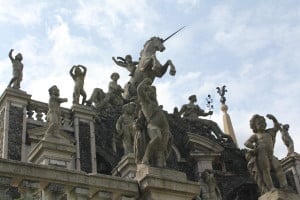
(124, 127)
(17, 70)
(127, 63)
(192, 111)
(54, 113)
(158, 131)
(78, 73)
(260, 157)
(286, 138)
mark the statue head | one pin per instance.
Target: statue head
(156, 43)
(193, 98)
(128, 58)
(77, 70)
(257, 123)
(286, 127)
(19, 57)
(54, 91)
(115, 76)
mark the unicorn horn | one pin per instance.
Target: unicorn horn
(173, 34)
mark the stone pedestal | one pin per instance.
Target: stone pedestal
(291, 168)
(53, 151)
(13, 103)
(279, 195)
(85, 138)
(160, 183)
(126, 167)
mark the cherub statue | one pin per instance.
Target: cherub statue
(192, 111)
(158, 131)
(209, 187)
(54, 113)
(260, 158)
(78, 73)
(17, 70)
(124, 127)
(127, 63)
(286, 138)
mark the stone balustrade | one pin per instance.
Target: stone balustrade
(37, 111)
(31, 181)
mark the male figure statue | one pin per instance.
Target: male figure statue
(286, 138)
(78, 73)
(260, 158)
(54, 114)
(124, 127)
(17, 70)
(160, 137)
(192, 111)
(114, 95)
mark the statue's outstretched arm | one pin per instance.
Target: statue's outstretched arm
(276, 126)
(71, 71)
(122, 64)
(10, 55)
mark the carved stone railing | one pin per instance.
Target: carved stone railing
(31, 181)
(37, 111)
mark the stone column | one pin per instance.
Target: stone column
(13, 117)
(291, 168)
(228, 128)
(85, 138)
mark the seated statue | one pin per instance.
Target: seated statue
(125, 128)
(286, 138)
(160, 138)
(113, 97)
(260, 157)
(192, 111)
(54, 113)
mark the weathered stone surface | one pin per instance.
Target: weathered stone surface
(279, 195)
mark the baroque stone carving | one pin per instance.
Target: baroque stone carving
(54, 113)
(192, 111)
(286, 138)
(158, 147)
(260, 156)
(125, 127)
(17, 70)
(148, 67)
(78, 73)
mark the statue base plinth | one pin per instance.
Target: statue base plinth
(126, 167)
(279, 195)
(160, 183)
(53, 151)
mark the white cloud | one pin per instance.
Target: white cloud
(20, 12)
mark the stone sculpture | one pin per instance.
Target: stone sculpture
(260, 157)
(114, 95)
(160, 138)
(54, 113)
(125, 127)
(97, 98)
(209, 187)
(127, 63)
(286, 138)
(148, 67)
(192, 111)
(17, 70)
(78, 73)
